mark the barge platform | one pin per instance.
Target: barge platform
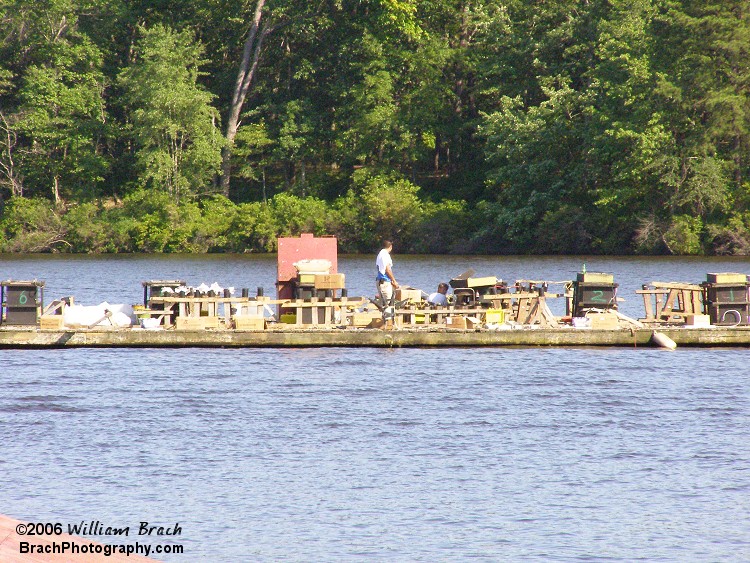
(32, 337)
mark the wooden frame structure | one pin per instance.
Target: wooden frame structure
(671, 302)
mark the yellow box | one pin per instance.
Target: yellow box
(307, 278)
(51, 322)
(249, 323)
(329, 281)
(595, 277)
(190, 323)
(289, 318)
(420, 318)
(494, 316)
(726, 277)
(481, 282)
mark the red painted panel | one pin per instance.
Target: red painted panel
(305, 247)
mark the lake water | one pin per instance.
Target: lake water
(394, 455)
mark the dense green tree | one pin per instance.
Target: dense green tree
(172, 120)
(564, 126)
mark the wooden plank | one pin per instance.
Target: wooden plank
(676, 285)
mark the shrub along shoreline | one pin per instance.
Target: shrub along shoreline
(152, 221)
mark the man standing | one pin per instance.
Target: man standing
(385, 279)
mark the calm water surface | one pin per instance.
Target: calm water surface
(394, 455)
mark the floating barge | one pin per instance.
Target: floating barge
(312, 308)
(23, 337)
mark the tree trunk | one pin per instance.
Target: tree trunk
(248, 65)
(7, 164)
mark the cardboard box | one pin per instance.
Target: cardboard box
(726, 278)
(329, 281)
(698, 320)
(603, 321)
(249, 323)
(595, 277)
(456, 321)
(51, 322)
(367, 319)
(190, 323)
(485, 281)
(409, 294)
(481, 282)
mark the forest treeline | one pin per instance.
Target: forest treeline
(450, 126)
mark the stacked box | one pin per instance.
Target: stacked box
(329, 281)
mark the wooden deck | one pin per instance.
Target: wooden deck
(425, 337)
(10, 547)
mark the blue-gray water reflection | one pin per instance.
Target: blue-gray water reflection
(402, 455)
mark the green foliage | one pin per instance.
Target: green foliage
(31, 225)
(732, 238)
(446, 227)
(62, 114)
(488, 126)
(684, 235)
(380, 206)
(173, 122)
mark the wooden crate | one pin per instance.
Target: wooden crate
(190, 323)
(51, 322)
(249, 323)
